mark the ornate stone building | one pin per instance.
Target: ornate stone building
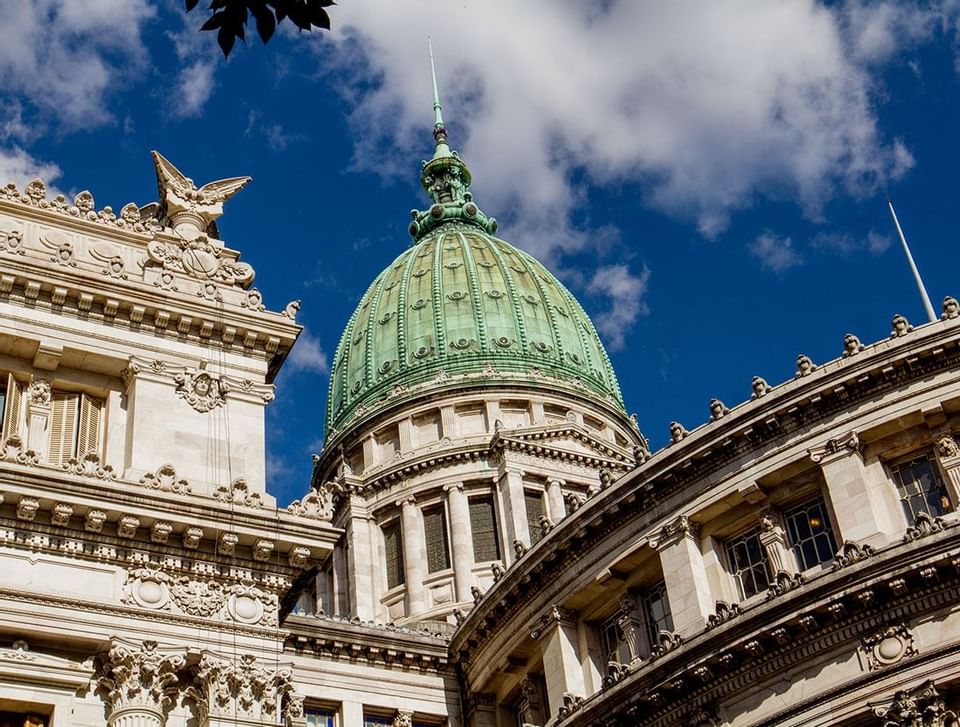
(487, 539)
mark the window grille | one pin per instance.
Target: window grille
(483, 526)
(534, 503)
(920, 488)
(435, 534)
(748, 563)
(810, 534)
(393, 549)
(657, 612)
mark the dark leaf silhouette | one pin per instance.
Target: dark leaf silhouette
(229, 17)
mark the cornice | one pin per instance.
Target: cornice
(900, 583)
(788, 412)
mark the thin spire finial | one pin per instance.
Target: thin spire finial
(438, 120)
(927, 305)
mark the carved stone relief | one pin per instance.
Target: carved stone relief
(887, 646)
(201, 390)
(140, 677)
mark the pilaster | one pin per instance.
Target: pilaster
(557, 634)
(688, 590)
(514, 509)
(948, 455)
(39, 398)
(555, 504)
(773, 538)
(240, 692)
(360, 561)
(861, 507)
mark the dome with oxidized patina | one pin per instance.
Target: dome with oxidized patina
(462, 308)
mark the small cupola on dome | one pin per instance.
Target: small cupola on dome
(446, 178)
(461, 309)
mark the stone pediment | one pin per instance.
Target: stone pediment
(566, 439)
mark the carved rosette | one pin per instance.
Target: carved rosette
(887, 646)
(138, 679)
(242, 691)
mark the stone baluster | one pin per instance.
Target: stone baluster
(688, 589)
(461, 543)
(413, 556)
(138, 678)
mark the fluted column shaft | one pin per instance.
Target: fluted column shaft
(461, 542)
(413, 557)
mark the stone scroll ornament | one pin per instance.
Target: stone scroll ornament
(201, 390)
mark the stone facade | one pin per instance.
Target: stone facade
(494, 550)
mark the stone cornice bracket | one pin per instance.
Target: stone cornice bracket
(922, 705)
(138, 678)
(680, 527)
(836, 448)
(555, 616)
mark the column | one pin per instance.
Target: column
(688, 590)
(461, 541)
(860, 505)
(341, 588)
(557, 633)
(558, 510)
(360, 561)
(413, 557)
(514, 510)
(137, 678)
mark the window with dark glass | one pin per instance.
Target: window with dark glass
(319, 717)
(657, 615)
(435, 534)
(748, 563)
(921, 488)
(393, 549)
(483, 526)
(376, 720)
(810, 534)
(534, 504)
(22, 719)
(611, 641)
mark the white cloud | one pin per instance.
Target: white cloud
(708, 105)
(308, 356)
(194, 85)
(879, 30)
(776, 254)
(199, 59)
(624, 292)
(66, 56)
(843, 243)
(19, 167)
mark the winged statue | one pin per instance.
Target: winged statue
(192, 210)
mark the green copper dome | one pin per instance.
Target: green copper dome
(462, 308)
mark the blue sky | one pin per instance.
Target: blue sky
(708, 178)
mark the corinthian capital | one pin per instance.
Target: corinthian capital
(139, 676)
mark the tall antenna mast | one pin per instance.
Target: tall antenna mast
(913, 266)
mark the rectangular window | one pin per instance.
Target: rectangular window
(533, 501)
(657, 612)
(320, 717)
(483, 526)
(612, 643)
(393, 548)
(375, 720)
(920, 488)
(435, 534)
(748, 563)
(810, 534)
(21, 719)
(75, 424)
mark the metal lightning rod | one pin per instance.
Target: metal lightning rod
(913, 266)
